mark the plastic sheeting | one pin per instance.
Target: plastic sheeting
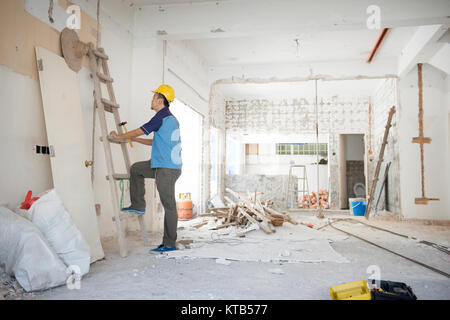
(26, 254)
(53, 220)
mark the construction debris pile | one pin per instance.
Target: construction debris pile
(10, 289)
(249, 213)
(310, 201)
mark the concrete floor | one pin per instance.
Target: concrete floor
(145, 276)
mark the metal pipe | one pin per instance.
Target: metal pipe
(98, 25)
(317, 148)
(377, 45)
(187, 84)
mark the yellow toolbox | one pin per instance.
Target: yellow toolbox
(357, 290)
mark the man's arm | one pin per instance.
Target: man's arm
(130, 134)
(147, 142)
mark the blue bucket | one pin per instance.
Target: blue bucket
(358, 208)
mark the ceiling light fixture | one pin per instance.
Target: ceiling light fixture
(218, 30)
(297, 42)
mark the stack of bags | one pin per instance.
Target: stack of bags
(303, 202)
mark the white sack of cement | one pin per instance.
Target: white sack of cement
(52, 219)
(26, 254)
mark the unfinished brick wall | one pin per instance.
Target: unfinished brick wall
(295, 116)
(336, 116)
(355, 174)
(217, 120)
(383, 99)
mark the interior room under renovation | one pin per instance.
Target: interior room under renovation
(224, 149)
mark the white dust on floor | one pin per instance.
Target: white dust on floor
(289, 244)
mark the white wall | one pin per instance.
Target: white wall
(436, 155)
(267, 162)
(217, 107)
(21, 104)
(118, 45)
(21, 169)
(383, 98)
(354, 147)
(173, 63)
(191, 153)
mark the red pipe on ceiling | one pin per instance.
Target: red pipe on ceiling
(377, 45)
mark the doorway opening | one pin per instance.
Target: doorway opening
(214, 155)
(352, 181)
(191, 151)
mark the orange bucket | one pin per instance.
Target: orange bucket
(184, 207)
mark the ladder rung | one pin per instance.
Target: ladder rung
(117, 141)
(104, 78)
(126, 216)
(114, 140)
(109, 103)
(119, 176)
(101, 55)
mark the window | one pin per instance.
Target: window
(283, 148)
(301, 149)
(251, 149)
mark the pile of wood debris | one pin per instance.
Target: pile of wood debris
(310, 201)
(249, 213)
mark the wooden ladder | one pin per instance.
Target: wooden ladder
(98, 61)
(304, 179)
(380, 160)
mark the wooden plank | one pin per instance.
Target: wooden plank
(104, 78)
(64, 123)
(380, 184)
(218, 215)
(380, 160)
(252, 220)
(215, 209)
(119, 176)
(225, 225)
(110, 103)
(101, 55)
(108, 155)
(112, 98)
(276, 213)
(197, 226)
(424, 200)
(421, 140)
(250, 207)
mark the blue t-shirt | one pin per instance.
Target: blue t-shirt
(166, 147)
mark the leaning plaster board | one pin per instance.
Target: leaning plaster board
(65, 131)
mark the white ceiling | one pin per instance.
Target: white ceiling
(189, 20)
(260, 33)
(163, 2)
(312, 47)
(304, 89)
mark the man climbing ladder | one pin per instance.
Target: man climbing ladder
(164, 166)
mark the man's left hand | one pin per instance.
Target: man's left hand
(113, 134)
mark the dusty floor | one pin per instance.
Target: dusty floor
(146, 276)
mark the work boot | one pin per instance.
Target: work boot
(132, 210)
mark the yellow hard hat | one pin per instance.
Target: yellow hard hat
(167, 91)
